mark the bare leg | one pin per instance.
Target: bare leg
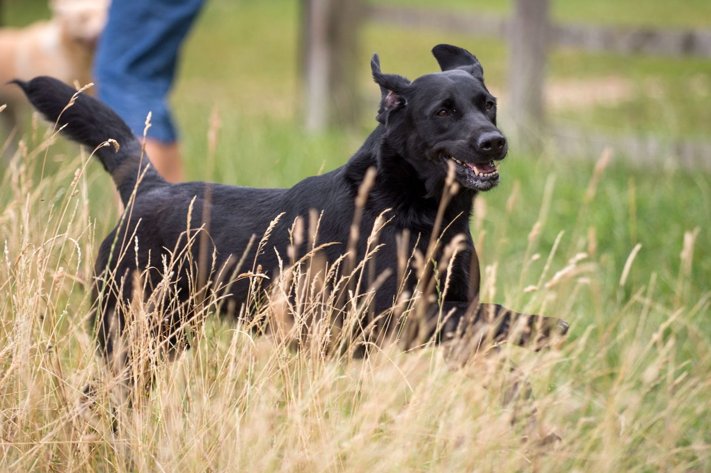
(167, 159)
(10, 130)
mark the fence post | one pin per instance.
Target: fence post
(329, 44)
(528, 36)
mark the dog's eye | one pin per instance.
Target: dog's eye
(443, 112)
(489, 105)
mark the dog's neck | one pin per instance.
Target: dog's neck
(398, 187)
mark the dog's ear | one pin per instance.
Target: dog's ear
(392, 88)
(452, 57)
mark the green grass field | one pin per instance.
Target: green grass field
(623, 254)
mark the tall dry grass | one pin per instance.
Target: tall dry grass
(629, 390)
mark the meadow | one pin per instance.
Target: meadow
(622, 253)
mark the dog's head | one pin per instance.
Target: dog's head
(443, 119)
(81, 20)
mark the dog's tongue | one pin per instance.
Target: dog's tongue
(483, 168)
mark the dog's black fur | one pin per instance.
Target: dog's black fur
(439, 121)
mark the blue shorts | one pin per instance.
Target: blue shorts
(136, 60)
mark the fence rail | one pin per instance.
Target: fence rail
(639, 151)
(592, 38)
(466, 23)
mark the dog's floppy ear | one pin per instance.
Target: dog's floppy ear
(452, 57)
(392, 87)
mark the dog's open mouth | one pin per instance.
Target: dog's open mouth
(477, 176)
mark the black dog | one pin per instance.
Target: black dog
(442, 124)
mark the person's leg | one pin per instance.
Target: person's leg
(166, 157)
(135, 68)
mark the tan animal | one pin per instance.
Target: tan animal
(62, 46)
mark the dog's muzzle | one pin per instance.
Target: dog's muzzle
(476, 176)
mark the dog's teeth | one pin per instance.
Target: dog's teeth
(473, 168)
(481, 173)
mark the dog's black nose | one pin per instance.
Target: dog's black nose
(491, 144)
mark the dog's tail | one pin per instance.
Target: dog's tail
(87, 121)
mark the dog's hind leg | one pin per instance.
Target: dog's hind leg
(115, 351)
(114, 327)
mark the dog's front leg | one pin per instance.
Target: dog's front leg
(476, 327)
(505, 325)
